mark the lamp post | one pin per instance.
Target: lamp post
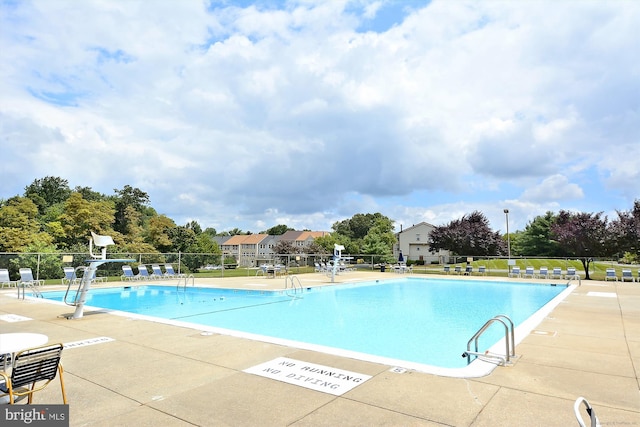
(506, 214)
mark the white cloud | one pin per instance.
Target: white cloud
(246, 116)
(555, 188)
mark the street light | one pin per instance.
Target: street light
(506, 214)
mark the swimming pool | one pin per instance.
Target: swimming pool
(408, 322)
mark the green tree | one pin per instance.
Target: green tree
(380, 239)
(131, 197)
(182, 239)
(159, 233)
(81, 217)
(19, 226)
(89, 195)
(193, 225)
(536, 239)
(47, 192)
(358, 226)
(277, 230)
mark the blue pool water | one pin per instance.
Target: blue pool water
(426, 321)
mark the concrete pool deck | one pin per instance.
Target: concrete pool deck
(153, 374)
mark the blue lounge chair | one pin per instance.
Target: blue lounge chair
(571, 273)
(611, 275)
(447, 269)
(482, 270)
(528, 272)
(557, 273)
(468, 270)
(143, 273)
(627, 275)
(127, 273)
(169, 271)
(544, 273)
(515, 271)
(157, 272)
(457, 269)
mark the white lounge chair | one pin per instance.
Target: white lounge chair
(69, 276)
(5, 280)
(26, 277)
(594, 422)
(557, 273)
(611, 275)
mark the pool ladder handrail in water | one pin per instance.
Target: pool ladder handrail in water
(296, 286)
(34, 290)
(509, 337)
(186, 281)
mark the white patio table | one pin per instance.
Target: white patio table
(14, 342)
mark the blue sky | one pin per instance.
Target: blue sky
(250, 114)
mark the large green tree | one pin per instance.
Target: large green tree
(47, 191)
(128, 197)
(81, 217)
(19, 226)
(536, 239)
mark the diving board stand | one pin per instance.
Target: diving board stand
(337, 255)
(90, 272)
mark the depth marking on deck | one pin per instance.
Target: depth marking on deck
(90, 341)
(601, 294)
(309, 375)
(12, 318)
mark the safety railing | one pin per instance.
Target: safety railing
(509, 338)
(293, 286)
(184, 281)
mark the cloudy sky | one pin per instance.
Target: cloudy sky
(248, 114)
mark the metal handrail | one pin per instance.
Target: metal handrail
(36, 293)
(573, 278)
(186, 281)
(295, 286)
(75, 299)
(509, 337)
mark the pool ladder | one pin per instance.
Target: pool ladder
(186, 281)
(296, 286)
(34, 291)
(509, 338)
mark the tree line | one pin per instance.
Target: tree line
(51, 217)
(579, 235)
